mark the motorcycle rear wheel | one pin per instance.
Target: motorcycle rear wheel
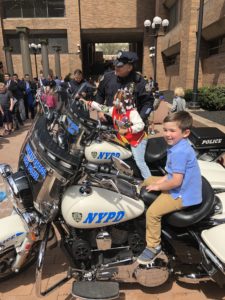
(8, 257)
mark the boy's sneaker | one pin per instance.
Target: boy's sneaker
(148, 255)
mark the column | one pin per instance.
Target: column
(25, 52)
(8, 58)
(57, 61)
(44, 56)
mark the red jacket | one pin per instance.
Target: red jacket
(132, 138)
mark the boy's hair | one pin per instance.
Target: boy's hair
(183, 119)
(179, 91)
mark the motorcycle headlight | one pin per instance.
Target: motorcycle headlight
(15, 187)
(6, 192)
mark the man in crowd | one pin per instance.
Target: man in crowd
(15, 89)
(80, 87)
(29, 97)
(19, 94)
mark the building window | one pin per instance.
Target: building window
(54, 39)
(33, 8)
(216, 46)
(173, 59)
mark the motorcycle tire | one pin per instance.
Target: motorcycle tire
(8, 257)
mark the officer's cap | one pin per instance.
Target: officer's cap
(125, 57)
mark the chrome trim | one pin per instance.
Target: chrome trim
(64, 164)
(193, 278)
(22, 254)
(32, 221)
(39, 268)
(51, 156)
(13, 185)
(5, 170)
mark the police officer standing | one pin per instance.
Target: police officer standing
(125, 76)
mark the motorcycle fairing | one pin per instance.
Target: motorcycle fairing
(214, 173)
(213, 238)
(12, 231)
(99, 208)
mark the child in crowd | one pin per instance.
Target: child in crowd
(129, 124)
(6, 103)
(49, 98)
(179, 103)
(181, 187)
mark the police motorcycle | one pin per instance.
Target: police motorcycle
(208, 143)
(99, 214)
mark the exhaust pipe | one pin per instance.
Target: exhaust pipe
(192, 278)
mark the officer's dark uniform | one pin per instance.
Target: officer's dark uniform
(110, 83)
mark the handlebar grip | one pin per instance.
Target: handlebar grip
(108, 128)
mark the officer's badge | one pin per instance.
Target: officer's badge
(147, 87)
(77, 216)
(104, 108)
(119, 54)
(131, 88)
(94, 154)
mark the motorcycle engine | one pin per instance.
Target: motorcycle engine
(83, 243)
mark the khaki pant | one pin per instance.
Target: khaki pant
(163, 205)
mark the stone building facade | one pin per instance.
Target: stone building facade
(77, 25)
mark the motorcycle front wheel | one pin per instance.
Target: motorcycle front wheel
(8, 257)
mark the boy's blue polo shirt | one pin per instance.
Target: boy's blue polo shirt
(181, 159)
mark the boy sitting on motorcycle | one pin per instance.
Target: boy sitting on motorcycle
(181, 187)
(129, 124)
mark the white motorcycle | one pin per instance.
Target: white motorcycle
(100, 217)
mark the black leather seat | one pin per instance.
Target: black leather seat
(190, 215)
(156, 150)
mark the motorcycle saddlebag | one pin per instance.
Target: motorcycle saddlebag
(207, 138)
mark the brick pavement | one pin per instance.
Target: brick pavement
(22, 286)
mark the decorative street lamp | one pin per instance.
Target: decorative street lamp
(156, 25)
(35, 48)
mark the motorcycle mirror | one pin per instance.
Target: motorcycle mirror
(121, 166)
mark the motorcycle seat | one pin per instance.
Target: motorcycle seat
(190, 215)
(156, 150)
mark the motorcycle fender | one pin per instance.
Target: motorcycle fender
(214, 173)
(12, 231)
(212, 238)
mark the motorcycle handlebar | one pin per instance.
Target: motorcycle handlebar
(106, 128)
